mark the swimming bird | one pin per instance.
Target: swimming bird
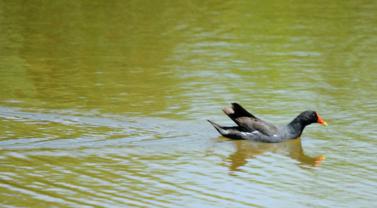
(249, 127)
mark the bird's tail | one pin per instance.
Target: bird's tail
(219, 128)
(232, 132)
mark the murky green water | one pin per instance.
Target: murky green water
(104, 104)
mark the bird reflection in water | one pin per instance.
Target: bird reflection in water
(293, 148)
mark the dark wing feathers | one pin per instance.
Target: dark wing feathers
(248, 122)
(239, 111)
(235, 133)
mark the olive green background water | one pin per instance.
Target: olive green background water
(104, 103)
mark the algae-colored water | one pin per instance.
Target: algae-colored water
(104, 103)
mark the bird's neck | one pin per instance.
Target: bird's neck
(296, 127)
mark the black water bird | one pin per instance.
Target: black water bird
(250, 127)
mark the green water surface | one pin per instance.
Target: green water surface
(104, 103)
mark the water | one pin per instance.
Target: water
(104, 104)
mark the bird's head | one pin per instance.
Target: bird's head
(309, 117)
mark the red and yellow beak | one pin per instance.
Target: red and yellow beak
(320, 120)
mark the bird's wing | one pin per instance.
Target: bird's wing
(248, 122)
(236, 133)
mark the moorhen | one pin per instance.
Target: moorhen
(250, 127)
